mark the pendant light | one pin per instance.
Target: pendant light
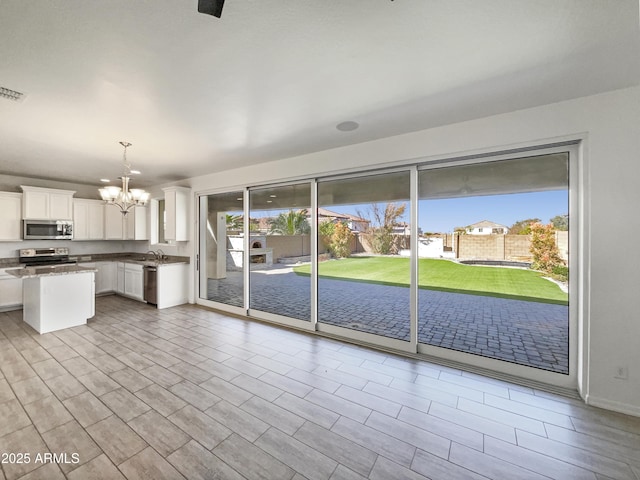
(125, 198)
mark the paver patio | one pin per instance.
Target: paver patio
(528, 333)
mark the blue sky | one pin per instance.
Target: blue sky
(442, 216)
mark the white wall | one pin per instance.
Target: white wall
(610, 126)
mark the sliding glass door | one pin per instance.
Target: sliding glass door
(221, 276)
(467, 260)
(493, 260)
(279, 244)
(364, 257)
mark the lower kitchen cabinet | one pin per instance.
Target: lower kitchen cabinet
(59, 301)
(173, 286)
(106, 277)
(10, 291)
(130, 280)
(127, 279)
(120, 278)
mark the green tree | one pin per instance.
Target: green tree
(560, 222)
(544, 249)
(326, 228)
(523, 227)
(382, 221)
(290, 223)
(340, 244)
(234, 222)
(325, 232)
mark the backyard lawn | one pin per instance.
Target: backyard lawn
(444, 275)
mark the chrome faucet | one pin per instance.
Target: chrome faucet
(155, 255)
(161, 255)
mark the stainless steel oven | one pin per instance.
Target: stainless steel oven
(47, 230)
(38, 257)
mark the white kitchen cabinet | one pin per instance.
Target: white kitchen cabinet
(120, 278)
(132, 226)
(47, 203)
(173, 285)
(136, 224)
(54, 302)
(10, 216)
(106, 278)
(130, 280)
(10, 291)
(88, 219)
(113, 223)
(176, 204)
(134, 281)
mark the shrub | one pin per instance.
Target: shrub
(383, 240)
(340, 243)
(326, 228)
(544, 249)
(325, 232)
(560, 272)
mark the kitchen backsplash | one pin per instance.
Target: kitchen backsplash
(10, 249)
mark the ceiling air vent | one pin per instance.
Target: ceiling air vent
(11, 94)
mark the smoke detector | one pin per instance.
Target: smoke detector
(11, 94)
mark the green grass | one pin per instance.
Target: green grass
(444, 275)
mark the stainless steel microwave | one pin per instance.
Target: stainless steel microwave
(48, 230)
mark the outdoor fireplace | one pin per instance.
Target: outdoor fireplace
(254, 257)
(259, 255)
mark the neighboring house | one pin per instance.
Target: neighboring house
(402, 228)
(355, 223)
(485, 227)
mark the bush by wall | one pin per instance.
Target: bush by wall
(543, 248)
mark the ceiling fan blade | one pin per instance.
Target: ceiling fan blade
(211, 7)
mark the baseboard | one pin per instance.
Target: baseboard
(612, 405)
(10, 308)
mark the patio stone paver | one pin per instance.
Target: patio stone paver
(528, 333)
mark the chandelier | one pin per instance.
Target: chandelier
(124, 198)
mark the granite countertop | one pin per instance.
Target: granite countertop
(33, 272)
(138, 258)
(152, 263)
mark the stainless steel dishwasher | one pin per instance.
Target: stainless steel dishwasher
(151, 284)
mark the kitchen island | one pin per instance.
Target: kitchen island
(57, 296)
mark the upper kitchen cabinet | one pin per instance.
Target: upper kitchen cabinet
(136, 224)
(47, 203)
(132, 226)
(88, 219)
(10, 216)
(176, 204)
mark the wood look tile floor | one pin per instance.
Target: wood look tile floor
(189, 393)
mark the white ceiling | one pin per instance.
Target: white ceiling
(272, 78)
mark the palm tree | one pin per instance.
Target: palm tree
(234, 222)
(290, 223)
